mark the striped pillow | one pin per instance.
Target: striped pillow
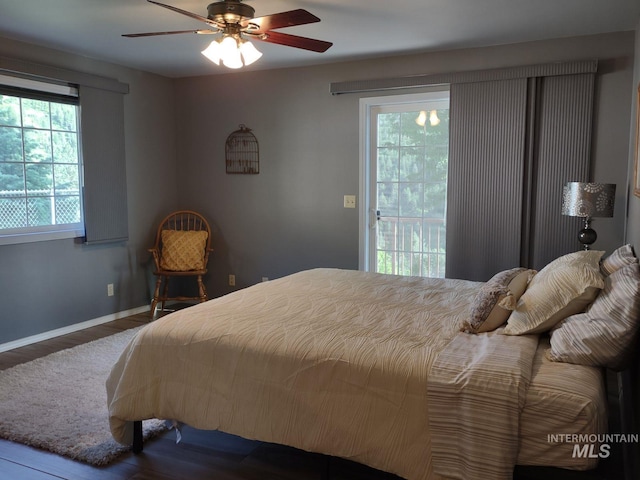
(618, 259)
(604, 335)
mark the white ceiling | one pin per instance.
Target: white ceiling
(358, 28)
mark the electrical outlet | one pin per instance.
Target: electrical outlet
(232, 280)
(265, 279)
(110, 290)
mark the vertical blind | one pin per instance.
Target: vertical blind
(513, 145)
(484, 202)
(563, 154)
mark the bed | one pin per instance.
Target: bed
(378, 369)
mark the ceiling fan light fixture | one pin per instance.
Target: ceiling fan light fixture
(213, 52)
(230, 52)
(249, 52)
(232, 18)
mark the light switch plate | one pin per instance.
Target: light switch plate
(349, 201)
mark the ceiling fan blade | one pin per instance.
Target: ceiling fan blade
(151, 34)
(184, 12)
(281, 20)
(295, 41)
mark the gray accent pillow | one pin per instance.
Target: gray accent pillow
(496, 299)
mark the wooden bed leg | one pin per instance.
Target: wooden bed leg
(137, 436)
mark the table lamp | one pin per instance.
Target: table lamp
(588, 200)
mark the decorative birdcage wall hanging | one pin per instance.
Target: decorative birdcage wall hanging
(241, 152)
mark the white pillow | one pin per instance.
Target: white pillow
(564, 287)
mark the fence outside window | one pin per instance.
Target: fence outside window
(40, 207)
(411, 246)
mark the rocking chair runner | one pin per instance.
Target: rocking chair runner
(182, 247)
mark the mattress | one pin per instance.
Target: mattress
(562, 399)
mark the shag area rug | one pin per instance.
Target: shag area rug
(59, 402)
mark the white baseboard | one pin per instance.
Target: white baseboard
(71, 328)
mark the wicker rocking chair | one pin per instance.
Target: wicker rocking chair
(182, 247)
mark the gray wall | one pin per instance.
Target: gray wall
(50, 285)
(291, 215)
(633, 224)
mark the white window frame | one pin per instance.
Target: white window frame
(47, 232)
(367, 213)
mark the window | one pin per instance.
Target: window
(40, 162)
(406, 144)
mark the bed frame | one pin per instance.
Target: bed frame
(629, 404)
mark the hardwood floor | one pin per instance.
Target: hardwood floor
(200, 454)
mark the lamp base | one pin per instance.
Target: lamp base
(587, 235)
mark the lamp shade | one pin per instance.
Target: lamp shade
(588, 199)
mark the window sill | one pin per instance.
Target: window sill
(17, 238)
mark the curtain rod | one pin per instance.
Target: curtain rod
(41, 72)
(417, 81)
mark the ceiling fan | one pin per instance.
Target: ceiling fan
(233, 19)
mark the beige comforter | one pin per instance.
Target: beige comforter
(336, 362)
